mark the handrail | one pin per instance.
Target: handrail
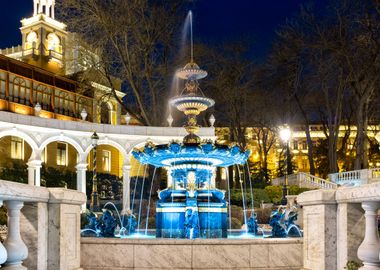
(315, 181)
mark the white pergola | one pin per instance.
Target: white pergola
(39, 132)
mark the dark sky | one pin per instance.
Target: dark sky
(214, 20)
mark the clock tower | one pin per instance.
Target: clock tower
(43, 38)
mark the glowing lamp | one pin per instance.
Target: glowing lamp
(285, 133)
(83, 114)
(212, 120)
(170, 120)
(127, 118)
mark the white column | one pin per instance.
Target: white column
(16, 248)
(34, 172)
(3, 251)
(369, 250)
(81, 179)
(52, 11)
(126, 187)
(35, 8)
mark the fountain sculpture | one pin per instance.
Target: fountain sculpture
(191, 206)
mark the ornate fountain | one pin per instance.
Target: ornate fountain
(191, 206)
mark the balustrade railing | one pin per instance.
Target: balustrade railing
(309, 181)
(56, 207)
(356, 178)
(305, 180)
(336, 231)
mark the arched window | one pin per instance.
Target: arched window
(17, 91)
(53, 42)
(31, 40)
(42, 95)
(105, 113)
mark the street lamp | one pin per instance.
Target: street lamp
(94, 206)
(285, 134)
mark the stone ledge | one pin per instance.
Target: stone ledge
(316, 197)
(199, 241)
(66, 196)
(364, 193)
(12, 191)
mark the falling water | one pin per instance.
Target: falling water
(150, 194)
(134, 194)
(229, 196)
(141, 197)
(243, 201)
(250, 187)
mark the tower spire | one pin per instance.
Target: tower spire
(44, 7)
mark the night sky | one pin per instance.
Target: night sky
(214, 21)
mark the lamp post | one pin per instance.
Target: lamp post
(285, 134)
(94, 206)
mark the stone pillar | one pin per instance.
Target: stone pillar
(34, 172)
(369, 250)
(81, 179)
(64, 229)
(3, 251)
(350, 232)
(126, 187)
(16, 248)
(34, 232)
(320, 236)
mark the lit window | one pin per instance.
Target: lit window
(295, 145)
(44, 155)
(304, 146)
(17, 148)
(106, 160)
(62, 154)
(53, 42)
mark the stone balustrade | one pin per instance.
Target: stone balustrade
(340, 225)
(43, 227)
(356, 178)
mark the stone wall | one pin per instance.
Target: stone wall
(258, 254)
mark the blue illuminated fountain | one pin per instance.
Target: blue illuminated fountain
(191, 206)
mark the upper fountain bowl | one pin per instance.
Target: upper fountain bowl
(191, 72)
(175, 154)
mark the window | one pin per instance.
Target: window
(106, 160)
(44, 155)
(304, 146)
(295, 145)
(61, 154)
(17, 148)
(53, 42)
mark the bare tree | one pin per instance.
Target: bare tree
(134, 41)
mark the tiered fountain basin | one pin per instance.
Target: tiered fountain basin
(191, 206)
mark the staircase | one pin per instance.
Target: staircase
(305, 180)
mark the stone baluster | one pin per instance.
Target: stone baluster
(3, 251)
(369, 249)
(16, 248)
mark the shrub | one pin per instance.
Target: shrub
(237, 212)
(263, 215)
(295, 190)
(3, 216)
(274, 193)
(236, 223)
